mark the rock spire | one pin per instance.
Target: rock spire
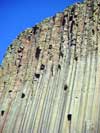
(50, 76)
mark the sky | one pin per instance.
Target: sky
(17, 15)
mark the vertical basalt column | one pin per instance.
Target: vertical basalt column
(50, 75)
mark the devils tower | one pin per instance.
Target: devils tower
(50, 76)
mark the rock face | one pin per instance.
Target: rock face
(50, 76)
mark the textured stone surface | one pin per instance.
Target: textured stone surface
(50, 76)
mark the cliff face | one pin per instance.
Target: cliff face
(50, 76)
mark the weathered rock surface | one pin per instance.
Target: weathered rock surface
(50, 76)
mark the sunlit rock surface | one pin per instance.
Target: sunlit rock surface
(50, 76)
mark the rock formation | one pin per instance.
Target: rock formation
(50, 76)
